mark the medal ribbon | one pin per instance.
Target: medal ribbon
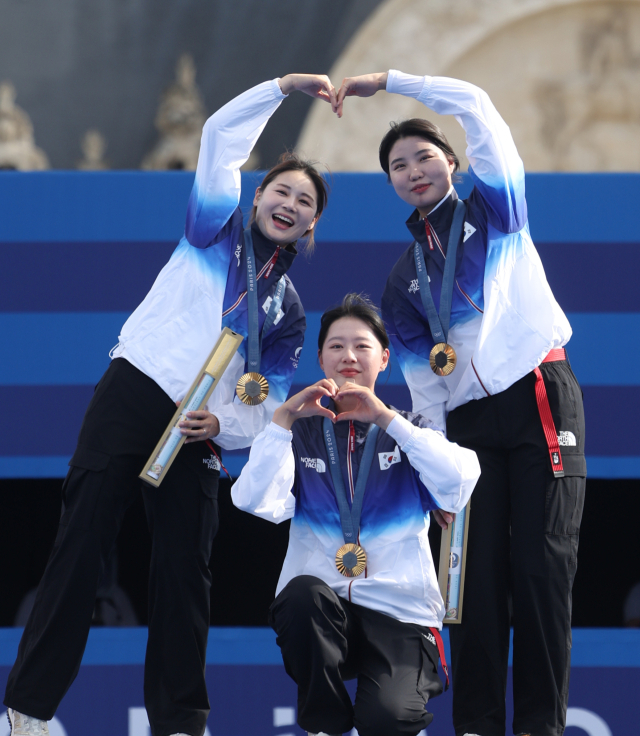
(439, 324)
(254, 351)
(349, 517)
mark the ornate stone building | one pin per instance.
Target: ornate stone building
(565, 75)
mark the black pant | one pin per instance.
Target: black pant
(521, 559)
(326, 639)
(125, 419)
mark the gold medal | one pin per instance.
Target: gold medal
(252, 389)
(351, 560)
(442, 359)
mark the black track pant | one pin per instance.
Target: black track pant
(326, 639)
(125, 419)
(523, 542)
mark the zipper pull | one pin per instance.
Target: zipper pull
(352, 437)
(274, 258)
(427, 229)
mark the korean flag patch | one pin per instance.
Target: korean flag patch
(387, 459)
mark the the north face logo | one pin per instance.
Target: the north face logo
(387, 459)
(315, 463)
(430, 638)
(212, 462)
(567, 439)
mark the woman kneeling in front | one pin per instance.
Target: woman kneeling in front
(357, 595)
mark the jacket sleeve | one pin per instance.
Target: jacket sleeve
(428, 394)
(449, 472)
(239, 423)
(264, 486)
(494, 163)
(228, 138)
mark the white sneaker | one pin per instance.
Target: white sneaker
(22, 725)
(322, 733)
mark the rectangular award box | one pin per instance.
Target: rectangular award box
(453, 561)
(195, 399)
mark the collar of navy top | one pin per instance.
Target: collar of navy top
(342, 428)
(440, 219)
(264, 250)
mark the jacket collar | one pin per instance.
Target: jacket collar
(440, 219)
(264, 250)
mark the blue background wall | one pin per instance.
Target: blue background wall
(80, 250)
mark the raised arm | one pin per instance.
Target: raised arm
(228, 138)
(495, 165)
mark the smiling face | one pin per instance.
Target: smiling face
(286, 207)
(420, 173)
(352, 352)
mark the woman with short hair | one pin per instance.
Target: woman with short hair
(480, 339)
(357, 595)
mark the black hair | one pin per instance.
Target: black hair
(360, 307)
(419, 128)
(290, 161)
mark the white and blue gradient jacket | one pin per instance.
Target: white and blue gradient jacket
(504, 317)
(201, 288)
(415, 469)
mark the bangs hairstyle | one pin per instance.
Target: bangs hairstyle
(418, 128)
(358, 306)
(290, 161)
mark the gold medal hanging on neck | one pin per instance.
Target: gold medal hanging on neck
(252, 389)
(351, 560)
(442, 359)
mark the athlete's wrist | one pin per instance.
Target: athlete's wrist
(385, 417)
(283, 417)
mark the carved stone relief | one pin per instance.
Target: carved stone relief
(93, 147)
(17, 146)
(180, 119)
(564, 74)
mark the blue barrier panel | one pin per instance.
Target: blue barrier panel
(81, 249)
(251, 695)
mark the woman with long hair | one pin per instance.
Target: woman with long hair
(221, 274)
(357, 595)
(480, 339)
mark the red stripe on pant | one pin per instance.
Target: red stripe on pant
(443, 659)
(546, 418)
